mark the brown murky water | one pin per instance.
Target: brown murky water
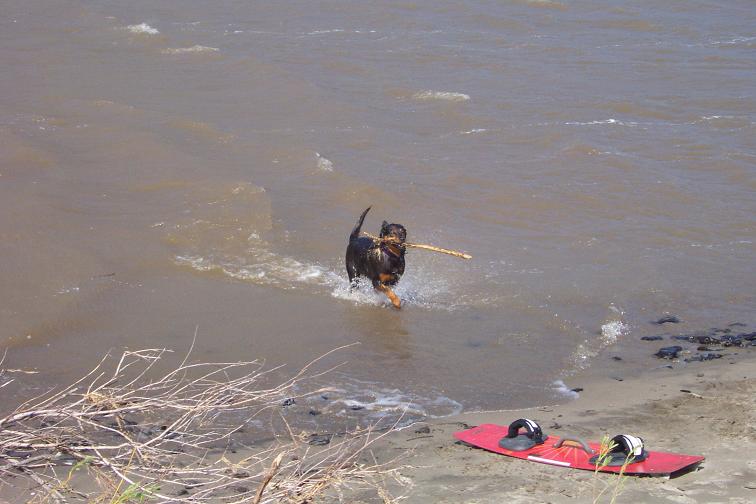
(179, 165)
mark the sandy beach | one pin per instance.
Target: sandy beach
(715, 419)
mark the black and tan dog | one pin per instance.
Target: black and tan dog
(382, 261)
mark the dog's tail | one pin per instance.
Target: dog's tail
(356, 231)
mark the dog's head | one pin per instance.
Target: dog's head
(394, 234)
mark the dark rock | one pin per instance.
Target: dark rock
(701, 339)
(704, 357)
(669, 352)
(741, 340)
(729, 341)
(423, 430)
(617, 358)
(324, 397)
(356, 407)
(652, 338)
(314, 412)
(555, 425)
(667, 319)
(577, 389)
(319, 439)
(288, 402)
(617, 378)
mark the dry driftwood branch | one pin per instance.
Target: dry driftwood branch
(159, 434)
(432, 248)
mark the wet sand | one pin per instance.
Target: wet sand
(716, 419)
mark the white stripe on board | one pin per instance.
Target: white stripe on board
(549, 461)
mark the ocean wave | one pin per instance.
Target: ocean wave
(338, 30)
(440, 95)
(735, 41)
(550, 4)
(267, 268)
(372, 403)
(602, 121)
(730, 122)
(189, 50)
(143, 28)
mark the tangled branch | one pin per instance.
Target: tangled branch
(164, 438)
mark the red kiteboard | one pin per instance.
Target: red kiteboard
(573, 452)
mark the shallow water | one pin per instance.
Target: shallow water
(183, 165)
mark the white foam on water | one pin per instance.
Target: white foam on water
(440, 95)
(68, 290)
(339, 30)
(324, 32)
(370, 401)
(473, 131)
(361, 292)
(421, 288)
(612, 330)
(324, 164)
(609, 121)
(265, 269)
(190, 50)
(734, 41)
(143, 28)
(610, 333)
(562, 390)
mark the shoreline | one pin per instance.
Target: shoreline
(715, 418)
(681, 405)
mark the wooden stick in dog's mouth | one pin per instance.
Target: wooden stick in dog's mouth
(421, 246)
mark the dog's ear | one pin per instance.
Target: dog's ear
(384, 228)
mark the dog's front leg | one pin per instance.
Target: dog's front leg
(390, 294)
